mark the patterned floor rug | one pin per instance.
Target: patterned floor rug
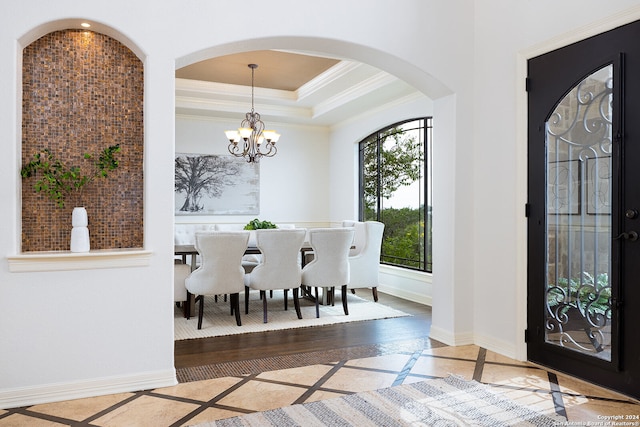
(450, 401)
(217, 320)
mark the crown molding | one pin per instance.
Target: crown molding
(213, 90)
(332, 75)
(225, 107)
(341, 92)
(357, 91)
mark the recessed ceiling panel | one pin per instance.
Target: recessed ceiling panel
(276, 70)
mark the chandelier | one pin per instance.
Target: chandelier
(256, 141)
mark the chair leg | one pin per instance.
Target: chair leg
(235, 302)
(353, 291)
(317, 304)
(375, 293)
(296, 302)
(246, 300)
(200, 310)
(286, 299)
(187, 305)
(344, 300)
(183, 305)
(306, 291)
(264, 309)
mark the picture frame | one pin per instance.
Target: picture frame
(210, 184)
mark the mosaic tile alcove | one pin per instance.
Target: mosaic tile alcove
(82, 92)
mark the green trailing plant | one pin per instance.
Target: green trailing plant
(256, 224)
(58, 180)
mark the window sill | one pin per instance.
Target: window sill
(406, 273)
(64, 261)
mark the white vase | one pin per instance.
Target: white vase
(80, 233)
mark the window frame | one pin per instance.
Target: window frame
(425, 127)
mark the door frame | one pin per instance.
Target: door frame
(593, 29)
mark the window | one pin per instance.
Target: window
(395, 188)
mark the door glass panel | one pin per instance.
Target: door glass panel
(578, 207)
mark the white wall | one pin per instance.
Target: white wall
(95, 331)
(293, 184)
(78, 332)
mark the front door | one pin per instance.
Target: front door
(583, 213)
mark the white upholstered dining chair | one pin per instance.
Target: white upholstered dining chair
(180, 273)
(221, 270)
(249, 261)
(330, 265)
(279, 266)
(365, 263)
(359, 235)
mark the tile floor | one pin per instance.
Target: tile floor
(195, 402)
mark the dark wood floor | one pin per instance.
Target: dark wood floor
(207, 351)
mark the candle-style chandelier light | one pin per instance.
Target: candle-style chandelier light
(257, 142)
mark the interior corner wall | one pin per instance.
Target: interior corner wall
(452, 291)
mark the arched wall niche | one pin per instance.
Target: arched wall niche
(82, 91)
(75, 23)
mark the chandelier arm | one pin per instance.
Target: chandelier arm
(272, 150)
(235, 150)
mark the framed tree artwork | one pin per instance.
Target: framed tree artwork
(207, 184)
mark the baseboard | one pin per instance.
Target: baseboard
(497, 346)
(446, 337)
(404, 294)
(27, 396)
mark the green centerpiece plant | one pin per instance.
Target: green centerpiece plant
(256, 224)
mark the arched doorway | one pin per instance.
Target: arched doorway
(186, 93)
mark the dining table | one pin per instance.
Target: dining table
(191, 251)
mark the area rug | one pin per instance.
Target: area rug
(450, 401)
(217, 320)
